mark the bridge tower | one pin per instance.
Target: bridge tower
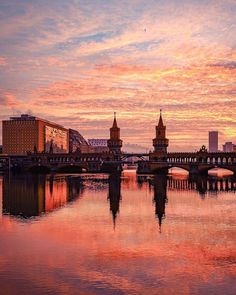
(160, 143)
(115, 143)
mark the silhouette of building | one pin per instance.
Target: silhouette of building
(228, 147)
(31, 134)
(115, 143)
(77, 143)
(213, 141)
(160, 142)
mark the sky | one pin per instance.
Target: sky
(76, 62)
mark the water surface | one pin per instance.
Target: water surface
(101, 234)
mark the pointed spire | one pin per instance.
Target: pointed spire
(160, 123)
(114, 122)
(114, 220)
(159, 221)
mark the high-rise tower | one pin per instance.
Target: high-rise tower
(115, 143)
(160, 143)
(213, 141)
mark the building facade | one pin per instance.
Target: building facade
(26, 133)
(213, 141)
(95, 142)
(98, 145)
(228, 147)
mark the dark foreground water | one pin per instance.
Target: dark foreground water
(100, 234)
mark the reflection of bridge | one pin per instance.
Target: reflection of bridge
(200, 183)
(162, 184)
(28, 195)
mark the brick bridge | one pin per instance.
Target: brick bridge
(199, 162)
(74, 162)
(157, 161)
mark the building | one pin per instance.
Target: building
(213, 141)
(97, 142)
(31, 134)
(228, 147)
(160, 142)
(77, 143)
(98, 145)
(115, 143)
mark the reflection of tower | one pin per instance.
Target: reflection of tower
(115, 143)
(201, 184)
(160, 197)
(160, 142)
(74, 187)
(114, 195)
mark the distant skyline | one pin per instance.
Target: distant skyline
(76, 62)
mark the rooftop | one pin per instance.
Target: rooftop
(27, 117)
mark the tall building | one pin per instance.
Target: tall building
(213, 141)
(115, 143)
(31, 134)
(77, 143)
(160, 142)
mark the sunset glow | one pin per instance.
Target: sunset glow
(76, 62)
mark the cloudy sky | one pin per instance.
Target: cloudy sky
(76, 62)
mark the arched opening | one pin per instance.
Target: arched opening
(220, 172)
(178, 171)
(39, 169)
(70, 169)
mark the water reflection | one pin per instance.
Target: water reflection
(114, 195)
(160, 197)
(75, 250)
(30, 195)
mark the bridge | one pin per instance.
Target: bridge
(198, 162)
(63, 162)
(141, 156)
(158, 161)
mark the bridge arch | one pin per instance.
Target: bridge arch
(39, 169)
(71, 169)
(223, 169)
(179, 167)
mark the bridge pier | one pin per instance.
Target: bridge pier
(111, 167)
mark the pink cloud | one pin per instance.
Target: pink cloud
(3, 61)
